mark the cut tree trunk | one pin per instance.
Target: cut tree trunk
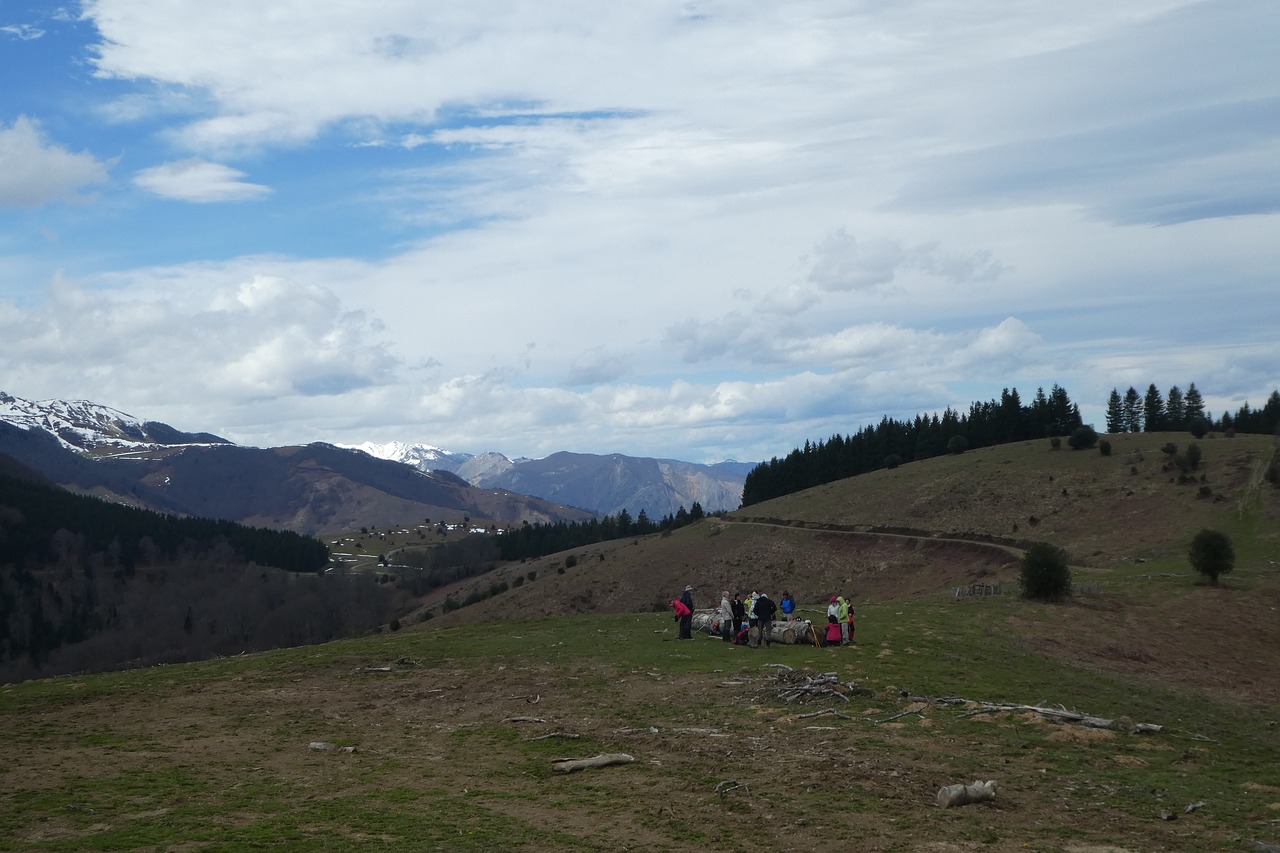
(962, 795)
(570, 765)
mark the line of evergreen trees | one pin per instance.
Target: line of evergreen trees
(891, 443)
(1178, 410)
(537, 540)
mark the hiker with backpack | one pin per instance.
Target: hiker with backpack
(765, 610)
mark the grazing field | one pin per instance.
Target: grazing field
(445, 726)
(442, 735)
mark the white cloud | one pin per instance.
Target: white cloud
(198, 181)
(229, 347)
(34, 171)
(698, 230)
(24, 32)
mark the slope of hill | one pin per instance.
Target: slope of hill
(927, 528)
(443, 735)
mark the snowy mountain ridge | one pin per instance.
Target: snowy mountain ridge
(598, 483)
(424, 457)
(81, 425)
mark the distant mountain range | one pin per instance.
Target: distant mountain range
(94, 449)
(602, 484)
(316, 488)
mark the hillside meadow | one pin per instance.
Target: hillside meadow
(452, 723)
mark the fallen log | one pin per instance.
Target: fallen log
(788, 631)
(571, 765)
(963, 795)
(1070, 716)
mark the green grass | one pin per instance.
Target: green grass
(139, 790)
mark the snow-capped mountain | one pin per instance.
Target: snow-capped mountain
(84, 426)
(600, 484)
(424, 457)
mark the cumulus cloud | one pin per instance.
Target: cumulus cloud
(265, 338)
(34, 171)
(840, 262)
(198, 181)
(725, 227)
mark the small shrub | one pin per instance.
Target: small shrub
(1199, 427)
(1194, 454)
(394, 625)
(892, 461)
(1045, 573)
(1104, 447)
(1169, 448)
(1083, 438)
(518, 582)
(533, 576)
(957, 445)
(1055, 443)
(560, 570)
(1206, 491)
(571, 561)
(1211, 554)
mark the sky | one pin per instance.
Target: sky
(696, 230)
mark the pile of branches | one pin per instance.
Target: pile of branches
(792, 685)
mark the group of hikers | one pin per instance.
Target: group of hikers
(748, 620)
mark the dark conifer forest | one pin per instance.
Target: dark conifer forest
(90, 585)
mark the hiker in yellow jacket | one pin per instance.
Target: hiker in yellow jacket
(842, 616)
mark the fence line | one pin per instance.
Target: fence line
(981, 590)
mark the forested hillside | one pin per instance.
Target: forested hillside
(85, 584)
(891, 443)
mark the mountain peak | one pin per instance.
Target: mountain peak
(82, 425)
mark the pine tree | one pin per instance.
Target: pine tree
(1115, 413)
(1175, 410)
(1132, 410)
(1153, 409)
(1194, 403)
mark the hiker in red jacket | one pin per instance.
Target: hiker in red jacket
(684, 615)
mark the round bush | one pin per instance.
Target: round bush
(1083, 438)
(1045, 573)
(1211, 554)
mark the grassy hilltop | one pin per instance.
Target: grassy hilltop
(449, 718)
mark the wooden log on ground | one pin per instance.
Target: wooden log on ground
(963, 795)
(571, 765)
(792, 631)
